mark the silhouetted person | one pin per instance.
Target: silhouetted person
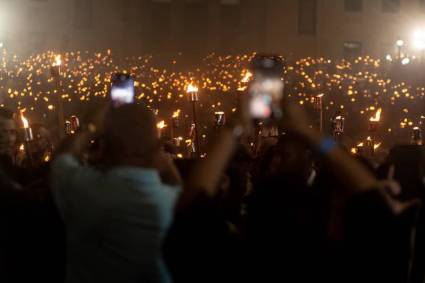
(116, 219)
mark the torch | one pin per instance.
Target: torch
(26, 131)
(247, 77)
(26, 136)
(318, 106)
(417, 136)
(369, 146)
(160, 125)
(72, 126)
(245, 80)
(373, 128)
(175, 122)
(219, 119)
(193, 95)
(359, 148)
(68, 128)
(338, 126)
(56, 73)
(75, 124)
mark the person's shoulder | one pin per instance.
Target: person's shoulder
(175, 189)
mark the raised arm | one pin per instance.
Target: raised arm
(344, 168)
(168, 170)
(76, 144)
(206, 174)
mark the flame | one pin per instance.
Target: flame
(247, 77)
(58, 60)
(179, 155)
(354, 150)
(376, 146)
(176, 114)
(320, 95)
(192, 88)
(161, 125)
(47, 158)
(377, 117)
(219, 113)
(369, 138)
(22, 147)
(24, 121)
(360, 144)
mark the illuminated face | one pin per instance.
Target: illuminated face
(7, 136)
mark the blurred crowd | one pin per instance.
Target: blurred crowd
(114, 201)
(354, 88)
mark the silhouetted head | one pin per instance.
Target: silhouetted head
(289, 159)
(130, 136)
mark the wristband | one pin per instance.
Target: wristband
(326, 145)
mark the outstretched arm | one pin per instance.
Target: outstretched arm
(344, 168)
(76, 144)
(206, 173)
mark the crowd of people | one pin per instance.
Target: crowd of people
(355, 88)
(113, 202)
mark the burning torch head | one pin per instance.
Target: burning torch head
(192, 90)
(26, 131)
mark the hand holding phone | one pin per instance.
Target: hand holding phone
(266, 88)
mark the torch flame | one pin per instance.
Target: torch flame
(176, 114)
(22, 147)
(161, 125)
(377, 117)
(360, 144)
(376, 146)
(192, 88)
(24, 121)
(247, 77)
(320, 95)
(58, 60)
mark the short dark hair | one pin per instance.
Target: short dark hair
(130, 131)
(6, 113)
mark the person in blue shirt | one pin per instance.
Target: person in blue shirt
(116, 218)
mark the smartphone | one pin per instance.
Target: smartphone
(266, 87)
(122, 89)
